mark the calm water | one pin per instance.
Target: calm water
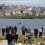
(32, 23)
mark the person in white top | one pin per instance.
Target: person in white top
(40, 33)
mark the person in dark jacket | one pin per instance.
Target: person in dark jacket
(42, 29)
(7, 30)
(23, 30)
(16, 37)
(3, 31)
(35, 32)
(15, 29)
(26, 30)
(9, 38)
(10, 27)
(13, 38)
(12, 30)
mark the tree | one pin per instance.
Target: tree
(21, 11)
(0, 7)
(11, 14)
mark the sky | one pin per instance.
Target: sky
(24, 2)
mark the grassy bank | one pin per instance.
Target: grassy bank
(22, 17)
(20, 39)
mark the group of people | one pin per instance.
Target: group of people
(12, 35)
(8, 29)
(26, 32)
(38, 32)
(12, 38)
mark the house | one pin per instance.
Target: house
(24, 12)
(13, 12)
(44, 13)
(17, 11)
(29, 10)
(0, 13)
(7, 12)
(38, 11)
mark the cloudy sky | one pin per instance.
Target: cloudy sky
(26, 2)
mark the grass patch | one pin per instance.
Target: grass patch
(21, 40)
(22, 17)
(39, 40)
(2, 37)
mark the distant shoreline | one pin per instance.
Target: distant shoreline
(22, 17)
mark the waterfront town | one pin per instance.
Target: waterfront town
(19, 10)
(9, 35)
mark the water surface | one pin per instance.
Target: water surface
(32, 23)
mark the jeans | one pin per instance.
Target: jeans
(30, 40)
(11, 43)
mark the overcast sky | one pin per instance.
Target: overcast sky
(26, 2)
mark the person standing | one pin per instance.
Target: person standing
(16, 37)
(7, 30)
(13, 38)
(23, 30)
(9, 38)
(42, 29)
(40, 33)
(15, 29)
(35, 32)
(30, 36)
(3, 31)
